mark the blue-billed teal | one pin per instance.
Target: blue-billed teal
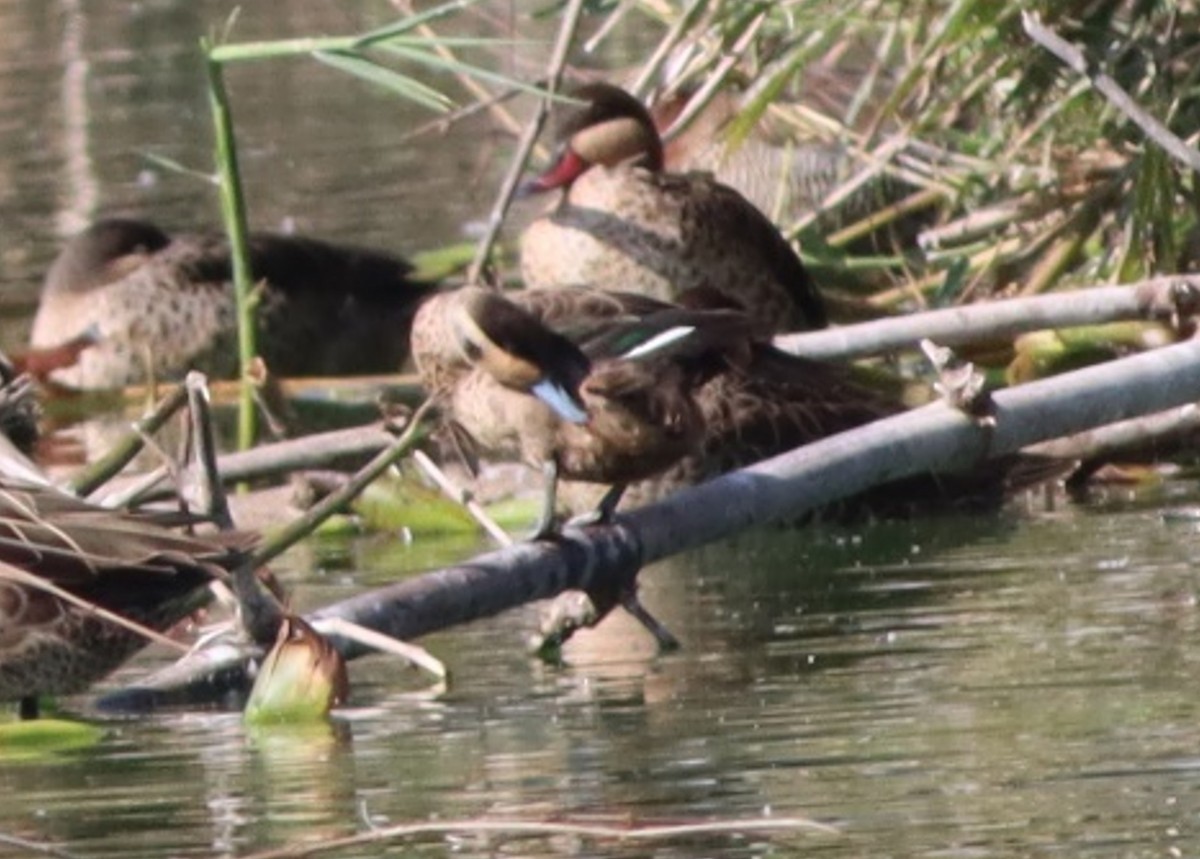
(587, 385)
(718, 399)
(138, 303)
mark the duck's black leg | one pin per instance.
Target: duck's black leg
(604, 511)
(608, 504)
(666, 641)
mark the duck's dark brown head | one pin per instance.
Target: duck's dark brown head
(608, 128)
(519, 351)
(103, 252)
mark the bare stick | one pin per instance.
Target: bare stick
(666, 640)
(461, 496)
(1111, 90)
(508, 188)
(282, 457)
(485, 99)
(101, 471)
(335, 501)
(1119, 438)
(1163, 299)
(199, 479)
(150, 485)
(418, 656)
(700, 100)
(35, 846)
(669, 41)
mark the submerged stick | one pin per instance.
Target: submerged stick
(550, 829)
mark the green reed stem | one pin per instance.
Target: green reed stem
(233, 213)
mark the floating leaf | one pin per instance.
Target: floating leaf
(38, 738)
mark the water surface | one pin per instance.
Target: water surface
(1019, 685)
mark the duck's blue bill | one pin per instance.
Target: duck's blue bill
(557, 398)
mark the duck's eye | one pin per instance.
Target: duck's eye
(471, 350)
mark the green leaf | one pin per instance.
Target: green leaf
(389, 79)
(434, 61)
(300, 680)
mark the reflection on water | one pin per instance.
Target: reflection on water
(1008, 686)
(87, 92)
(999, 687)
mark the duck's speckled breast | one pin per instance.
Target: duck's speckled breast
(662, 234)
(153, 316)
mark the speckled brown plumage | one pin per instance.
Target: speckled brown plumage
(131, 564)
(625, 224)
(147, 299)
(776, 402)
(640, 413)
(751, 411)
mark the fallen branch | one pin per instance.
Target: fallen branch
(1151, 432)
(606, 559)
(1163, 299)
(319, 450)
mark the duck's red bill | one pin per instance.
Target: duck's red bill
(563, 172)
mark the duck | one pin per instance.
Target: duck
(526, 375)
(582, 384)
(772, 402)
(60, 555)
(125, 302)
(621, 221)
